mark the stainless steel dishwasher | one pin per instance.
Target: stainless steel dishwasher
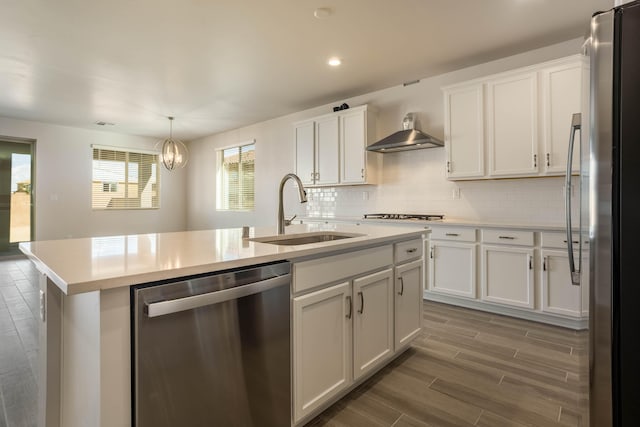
(213, 350)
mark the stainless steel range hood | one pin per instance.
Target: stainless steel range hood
(409, 138)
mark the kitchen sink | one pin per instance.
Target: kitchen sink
(304, 238)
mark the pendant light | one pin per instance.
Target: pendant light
(174, 153)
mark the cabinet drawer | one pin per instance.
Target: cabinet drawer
(508, 237)
(461, 234)
(326, 270)
(409, 250)
(559, 240)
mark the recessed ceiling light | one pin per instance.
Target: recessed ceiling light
(334, 62)
(322, 13)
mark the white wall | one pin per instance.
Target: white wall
(63, 184)
(411, 181)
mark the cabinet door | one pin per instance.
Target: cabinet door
(512, 125)
(452, 268)
(353, 141)
(559, 295)
(464, 131)
(409, 289)
(373, 321)
(507, 275)
(322, 347)
(304, 146)
(327, 150)
(562, 97)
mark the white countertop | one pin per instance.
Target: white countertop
(446, 221)
(99, 263)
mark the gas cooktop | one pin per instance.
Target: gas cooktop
(415, 217)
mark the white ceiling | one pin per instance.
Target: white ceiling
(221, 64)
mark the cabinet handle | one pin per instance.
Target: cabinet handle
(401, 286)
(350, 307)
(530, 263)
(412, 250)
(361, 173)
(361, 310)
(507, 237)
(535, 160)
(448, 167)
(574, 241)
(548, 161)
(544, 264)
(431, 252)
(452, 234)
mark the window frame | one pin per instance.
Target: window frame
(222, 188)
(127, 151)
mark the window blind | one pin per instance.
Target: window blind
(237, 178)
(124, 179)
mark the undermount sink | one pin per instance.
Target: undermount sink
(305, 238)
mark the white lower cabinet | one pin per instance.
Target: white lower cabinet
(559, 295)
(322, 346)
(452, 268)
(408, 302)
(344, 332)
(330, 323)
(507, 275)
(372, 321)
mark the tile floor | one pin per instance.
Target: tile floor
(471, 368)
(468, 368)
(19, 313)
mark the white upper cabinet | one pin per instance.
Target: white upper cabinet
(353, 128)
(330, 149)
(464, 131)
(327, 151)
(305, 152)
(562, 97)
(512, 125)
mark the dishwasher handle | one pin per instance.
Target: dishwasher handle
(162, 308)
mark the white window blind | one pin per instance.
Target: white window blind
(124, 179)
(236, 178)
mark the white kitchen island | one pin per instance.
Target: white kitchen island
(85, 334)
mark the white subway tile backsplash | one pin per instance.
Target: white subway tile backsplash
(536, 200)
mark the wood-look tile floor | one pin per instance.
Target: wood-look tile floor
(19, 313)
(471, 368)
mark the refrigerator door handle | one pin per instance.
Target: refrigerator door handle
(576, 121)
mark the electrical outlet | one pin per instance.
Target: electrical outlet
(365, 195)
(455, 193)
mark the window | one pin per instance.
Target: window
(124, 179)
(236, 167)
(110, 187)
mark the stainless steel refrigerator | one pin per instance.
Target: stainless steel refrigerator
(611, 173)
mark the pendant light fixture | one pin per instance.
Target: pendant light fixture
(174, 153)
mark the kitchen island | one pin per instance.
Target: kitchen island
(85, 336)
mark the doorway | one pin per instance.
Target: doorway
(16, 194)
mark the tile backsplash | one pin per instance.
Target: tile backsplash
(416, 184)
